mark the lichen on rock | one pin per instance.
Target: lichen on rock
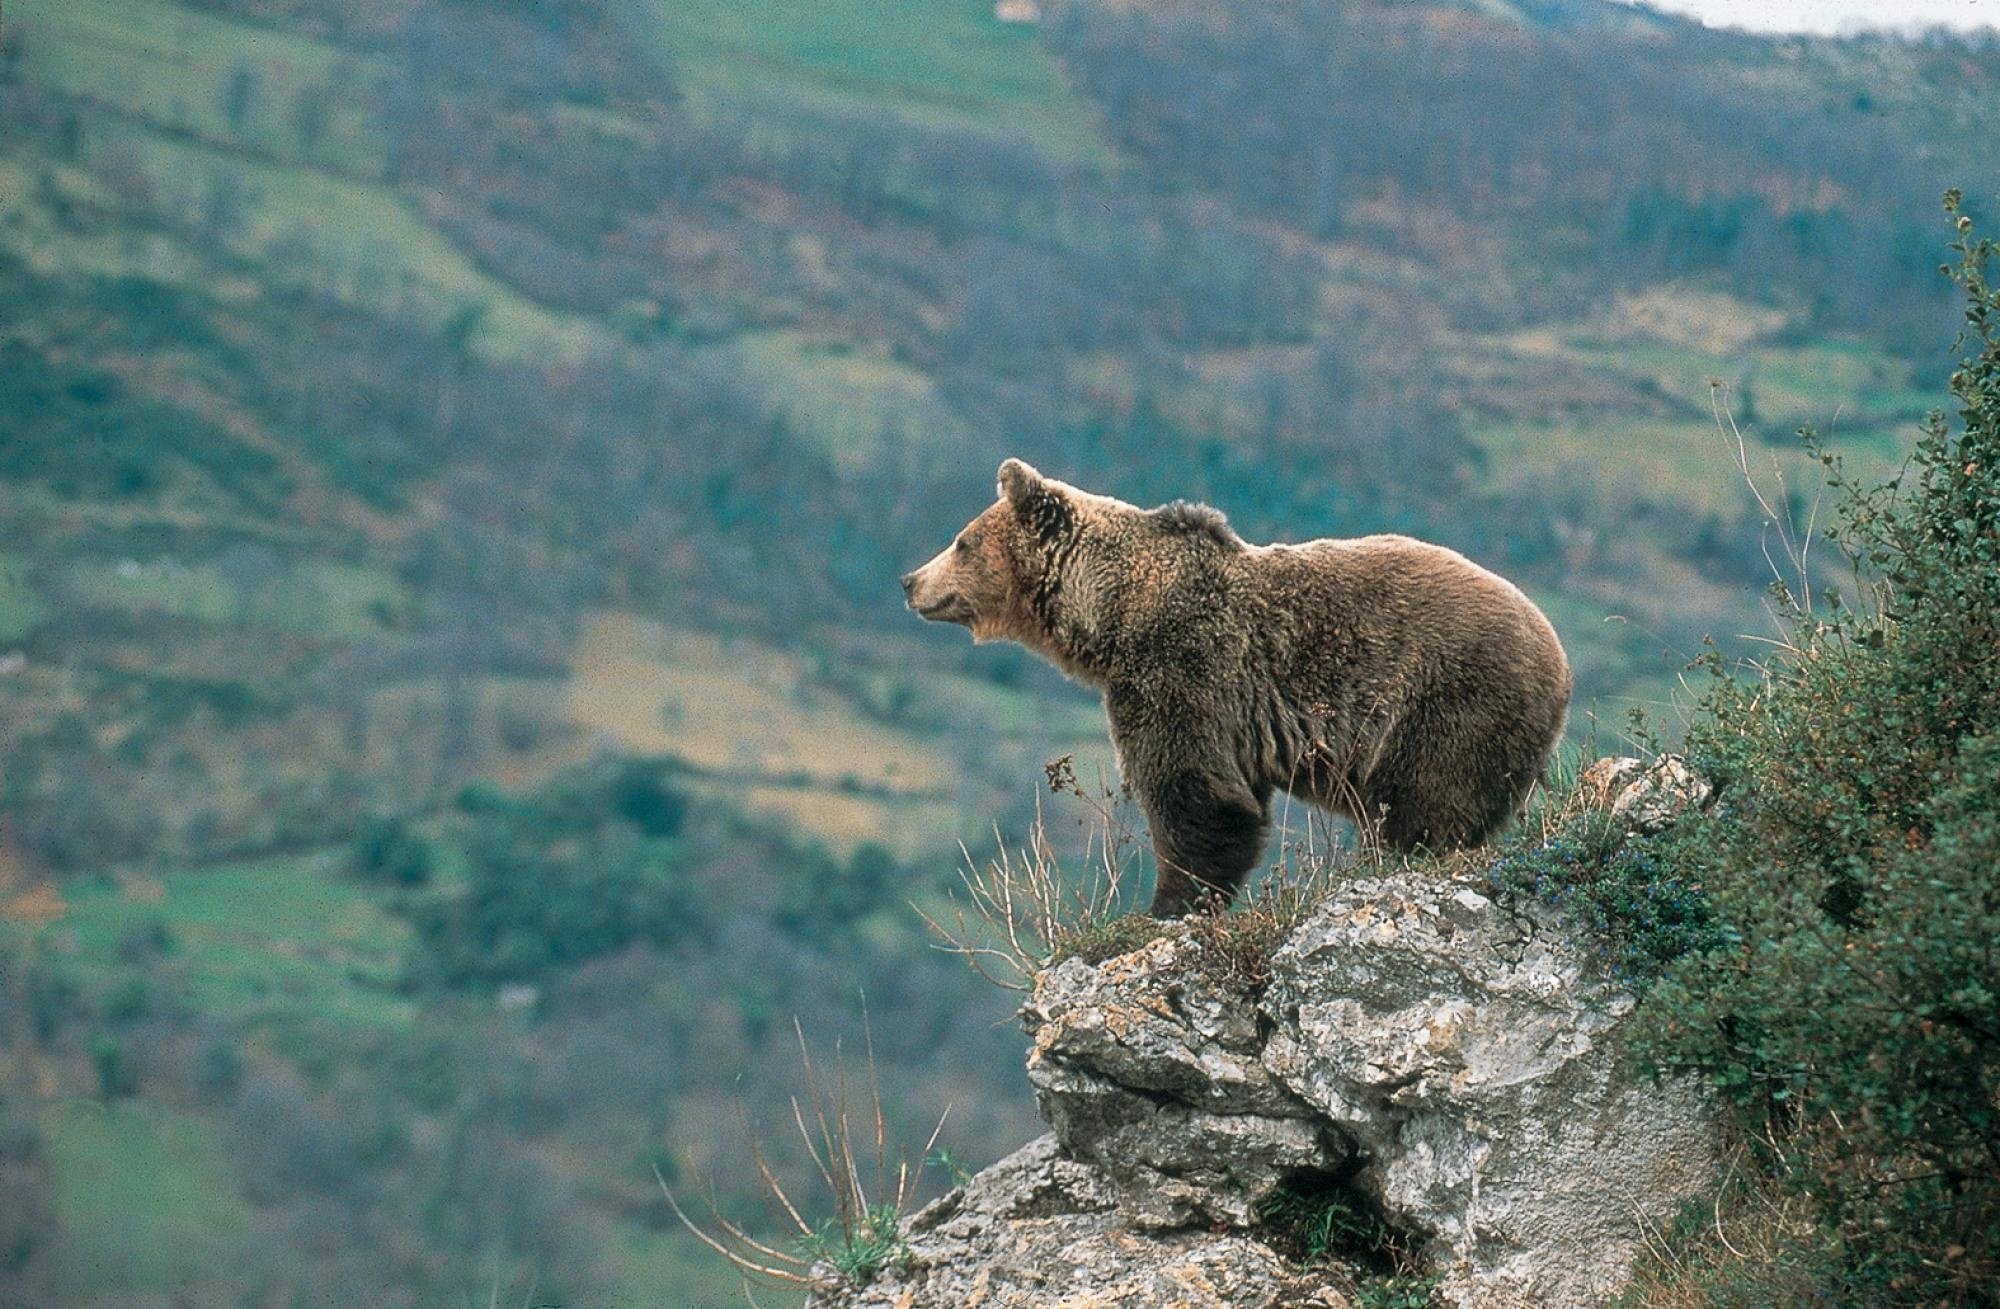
(1152, 1070)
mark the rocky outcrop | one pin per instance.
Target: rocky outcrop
(1453, 1062)
(1039, 1229)
(1469, 1057)
(1150, 1069)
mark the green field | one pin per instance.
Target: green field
(193, 147)
(942, 64)
(357, 242)
(284, 941)
(144, 1200)
(21, 609)
(325, 601)
(202, 75)
(856, 403)
(1863, 403)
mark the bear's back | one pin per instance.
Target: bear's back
(1406, 611)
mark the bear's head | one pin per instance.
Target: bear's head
(997, 575)
(1060, 570)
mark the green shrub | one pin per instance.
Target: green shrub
(1854, 1013)
(1321, 1222)
(1404, 1291)
(116, 1078)
(862, 1249)
(823, 894)
(642, 796)
(572, 871)
(389, 852)
(1627, 892)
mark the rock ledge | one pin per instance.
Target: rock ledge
(1453, 1060)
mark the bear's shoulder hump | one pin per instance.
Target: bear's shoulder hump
(1200, 520)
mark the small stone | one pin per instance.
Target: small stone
(1659, 794)
(1599, 784)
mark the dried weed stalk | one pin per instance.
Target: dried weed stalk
(870, 1197)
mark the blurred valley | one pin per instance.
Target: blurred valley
(456, 459)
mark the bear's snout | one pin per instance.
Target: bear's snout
(909, 586)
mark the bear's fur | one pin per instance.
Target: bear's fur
(1396, 682)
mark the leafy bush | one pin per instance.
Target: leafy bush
(1854, 1012)
(824, 894)
(390, 852)
(1627, 891)
(859, 1252)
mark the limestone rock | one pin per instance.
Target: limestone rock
(1662, 792)
(1470, 1055)
(1452, 1059)
(1601, 782)
(1646, 797)
(1038, 1231)
(1150, 1070)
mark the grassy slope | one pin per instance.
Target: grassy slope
(941, 64)
(304, 216)
(936, 65)
(754, 715)
(21, 609)
(143, 1198)
(142, 1189)
(286, 943)
(853, 402)
(1654, 438)
(172, 66)
(943, 67)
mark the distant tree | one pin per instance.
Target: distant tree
(239, 95)
(390, 852)
(312, 114)
(590, 863)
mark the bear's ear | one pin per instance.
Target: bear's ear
(1038, 503)
(1020, 483)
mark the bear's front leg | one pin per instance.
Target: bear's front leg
(1207, 836)
(1208, 821)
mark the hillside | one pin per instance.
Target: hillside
(410, 409)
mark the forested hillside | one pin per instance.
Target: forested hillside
(455, 460)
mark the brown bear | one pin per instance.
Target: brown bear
(1389, 680)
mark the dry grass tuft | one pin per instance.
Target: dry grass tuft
(1749, 1241)
(1021, 911)
(869, 1192)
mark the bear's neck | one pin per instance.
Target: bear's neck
(1068, 612)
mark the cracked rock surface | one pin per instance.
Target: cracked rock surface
(1452, 1060)
(1470, 1056)
(1155, 1073)
(1039, 1231)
